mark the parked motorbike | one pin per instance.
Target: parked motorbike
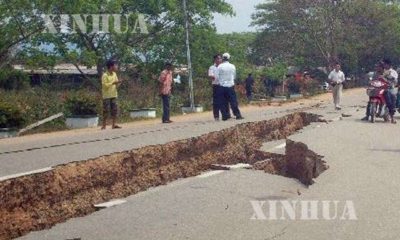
(377, 102)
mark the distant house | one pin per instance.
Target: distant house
(60, 69)
(63, 74)
(68, 74)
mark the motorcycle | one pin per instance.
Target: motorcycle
(377, 103)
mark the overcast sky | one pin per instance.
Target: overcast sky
(242, 20)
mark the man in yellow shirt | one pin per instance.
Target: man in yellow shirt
(109, 82)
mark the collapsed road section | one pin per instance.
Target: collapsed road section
(41, 200)
(299, 162)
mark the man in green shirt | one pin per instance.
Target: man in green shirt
(109, 82)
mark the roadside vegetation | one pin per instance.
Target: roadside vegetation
(308, 35)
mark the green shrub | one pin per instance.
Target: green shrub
(10, 116)
(81, 104)
(319, 75)
(276, 72)
(312, 88)
(35, 103)
(13, 80)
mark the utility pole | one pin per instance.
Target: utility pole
(189, 60)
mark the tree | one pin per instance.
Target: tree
(164, 40)
(19, 21)
(320, 32)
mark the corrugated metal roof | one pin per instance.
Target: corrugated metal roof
(61, 69)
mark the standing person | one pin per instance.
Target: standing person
(391, 94)
(213, 75)
(165, 91)
(226, 78)
(336, 79)
(306, 83)
(249, 87)
(269, 86)
(109, 83)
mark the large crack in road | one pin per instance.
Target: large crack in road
(40, 201)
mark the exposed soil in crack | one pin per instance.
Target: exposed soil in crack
(40, 201)
(299, 162)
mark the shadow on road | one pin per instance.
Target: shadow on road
(386, 150)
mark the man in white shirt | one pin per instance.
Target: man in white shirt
(391, 94)
(226, 92)
(336, 79)
(213, 75)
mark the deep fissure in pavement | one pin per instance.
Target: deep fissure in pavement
(299, 162)
(40, 201)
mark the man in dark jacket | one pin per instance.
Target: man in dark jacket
(249, 87)
(269, 86)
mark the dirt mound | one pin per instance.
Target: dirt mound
(42, 200)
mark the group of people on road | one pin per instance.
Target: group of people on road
(110, 81)
(384, 70)
(223, 74)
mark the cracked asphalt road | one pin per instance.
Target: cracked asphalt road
(40, 151)
(363, 159)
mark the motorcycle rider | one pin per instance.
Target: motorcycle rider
(391, 94)
(379, 70)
